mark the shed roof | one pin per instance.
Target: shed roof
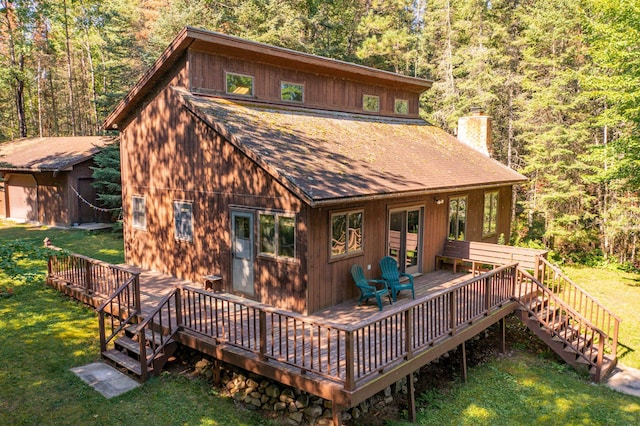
(49, 154)
(328, 157)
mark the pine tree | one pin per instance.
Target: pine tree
(106, 175)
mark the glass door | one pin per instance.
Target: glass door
(405, 238)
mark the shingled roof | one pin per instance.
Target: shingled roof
(49, 154)
(328, 157)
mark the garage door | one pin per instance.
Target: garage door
(22, 200)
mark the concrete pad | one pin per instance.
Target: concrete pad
(625, 380)
(105, 379)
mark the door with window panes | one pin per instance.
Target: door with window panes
(404, 238)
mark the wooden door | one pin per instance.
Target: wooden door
(86, 213)
(242, 251)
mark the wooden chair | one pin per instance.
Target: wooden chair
(391, 275)
(366, 289)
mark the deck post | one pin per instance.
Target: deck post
(487, 295)
(136, 294)
(503, 335)
(349, 383)
(408, 327)
(452, 312)
(336, 414)
(87, 277)
(463, 347)
(263, 335)
(411, 391)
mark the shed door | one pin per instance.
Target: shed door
(22, 197)
(242, 251)
(88, 193)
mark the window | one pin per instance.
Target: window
(277, 235)
(401, 106)
(490, 217)
(291, 92)
(139, 212)
(238, 84)
(371, 103)
(183, 216)
(346, 233)
(457, 218)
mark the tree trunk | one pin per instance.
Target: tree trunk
(72, 106)
(18, 68)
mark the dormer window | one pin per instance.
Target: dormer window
(371, 103)
(238, 84)
(401, 106)
(291, 92)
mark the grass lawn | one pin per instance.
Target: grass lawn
(43, 334)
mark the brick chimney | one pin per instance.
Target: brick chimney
(474, 130)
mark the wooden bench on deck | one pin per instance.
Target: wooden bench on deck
(481, 257)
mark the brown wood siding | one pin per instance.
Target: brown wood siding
(207, 75)
(330, 280)
(53, 198)
(169, 155)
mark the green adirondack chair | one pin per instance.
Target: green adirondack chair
(366, 289)
(391, 275)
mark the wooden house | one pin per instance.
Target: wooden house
(278, 170)
(49, 180)
(261, 175)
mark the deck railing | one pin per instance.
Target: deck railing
(92, 275)
(579, 300)
(345, 353)
(119, 310)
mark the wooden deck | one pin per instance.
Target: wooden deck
(345, 353)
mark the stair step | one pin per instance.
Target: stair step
(156, 337)
(124, 360)
(132, 346)
(578, 345)
(537, 303)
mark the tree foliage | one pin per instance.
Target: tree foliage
(106, 175)
(559, 77)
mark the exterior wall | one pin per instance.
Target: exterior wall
(168, 155)
(53, 198)
(21, 196)
(330, 280)
(207, 75)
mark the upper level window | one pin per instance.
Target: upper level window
(401, 106)
(346, 233)
(291, 92)
(371, 103)
(183, 218)
(139, 212)
(490, 217)
(277, 235)
(238, 84)
(457, 218)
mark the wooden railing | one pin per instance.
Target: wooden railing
(119, 310)
(579, 300)
(92, 275)
(158, 329)
(345, 353)
(575, 330)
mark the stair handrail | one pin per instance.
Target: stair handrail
(582, 319)
(561, 302)
(616, 320)
(155, 325)
(582, 291)
(127, 316)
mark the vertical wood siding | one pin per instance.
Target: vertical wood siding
(207, 75)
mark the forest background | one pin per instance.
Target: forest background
(561, 79)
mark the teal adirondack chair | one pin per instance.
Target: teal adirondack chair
(391, 275)
(366, 289)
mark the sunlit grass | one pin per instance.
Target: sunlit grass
(43, 334)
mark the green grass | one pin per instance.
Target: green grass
(43, 334)
(620, 292)
(527, 389)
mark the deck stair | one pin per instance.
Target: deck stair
(579, 338)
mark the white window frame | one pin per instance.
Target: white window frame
(180, 236)
(364, 103)
(276, 236)
(226, 84)
(137, 225)
(490, 222)
(282, 83)
(346, 252)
